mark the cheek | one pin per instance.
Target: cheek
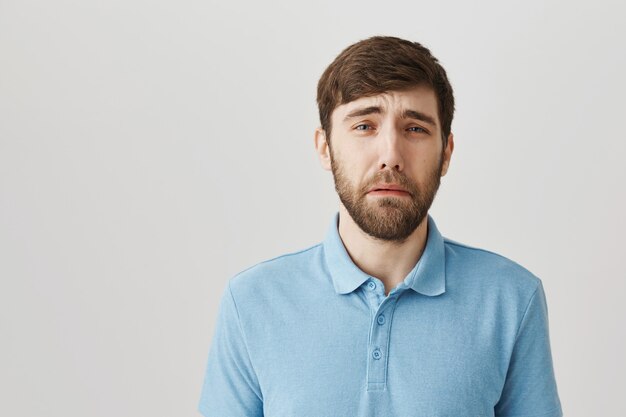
(355, 162)
(423, 169)
(354, 175)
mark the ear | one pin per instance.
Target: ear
(322, 148)
(447, 154)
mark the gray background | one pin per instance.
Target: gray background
(149, 150)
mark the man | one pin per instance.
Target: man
(385, 317)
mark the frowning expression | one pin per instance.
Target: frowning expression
(387, 156)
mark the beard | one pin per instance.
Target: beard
(390, 218)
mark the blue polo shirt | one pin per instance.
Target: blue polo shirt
(309, 334)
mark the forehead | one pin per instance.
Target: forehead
(420, 98)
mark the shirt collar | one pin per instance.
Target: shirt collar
(427, 276)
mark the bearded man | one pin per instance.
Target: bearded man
(385, 317)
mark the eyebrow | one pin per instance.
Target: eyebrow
(407, 114)
(364, 111)
(412, 114)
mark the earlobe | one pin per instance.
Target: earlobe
(447, 154)
(322, 148)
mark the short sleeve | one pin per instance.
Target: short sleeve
(230, 384)
(530, 387)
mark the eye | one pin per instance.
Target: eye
(417, 129)
(362, 126)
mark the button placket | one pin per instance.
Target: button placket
(375, 292)
(376, 354)
(379, 337)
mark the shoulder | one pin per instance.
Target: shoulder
(493, 269)
(280, 270)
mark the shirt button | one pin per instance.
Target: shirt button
(380, 319)
(371, 285)
(376, 354)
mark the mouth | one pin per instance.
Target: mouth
(388, 190)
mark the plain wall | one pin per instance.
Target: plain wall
(149, 150)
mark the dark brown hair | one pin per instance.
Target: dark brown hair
(382, 64)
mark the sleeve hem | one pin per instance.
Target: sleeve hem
(203, 410)
(555, 412)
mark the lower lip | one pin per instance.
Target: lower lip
(383, 193)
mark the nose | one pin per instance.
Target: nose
(390, 151)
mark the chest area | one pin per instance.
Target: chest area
(409, 356)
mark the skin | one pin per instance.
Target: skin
(382, 147)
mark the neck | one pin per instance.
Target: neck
(388, 261)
